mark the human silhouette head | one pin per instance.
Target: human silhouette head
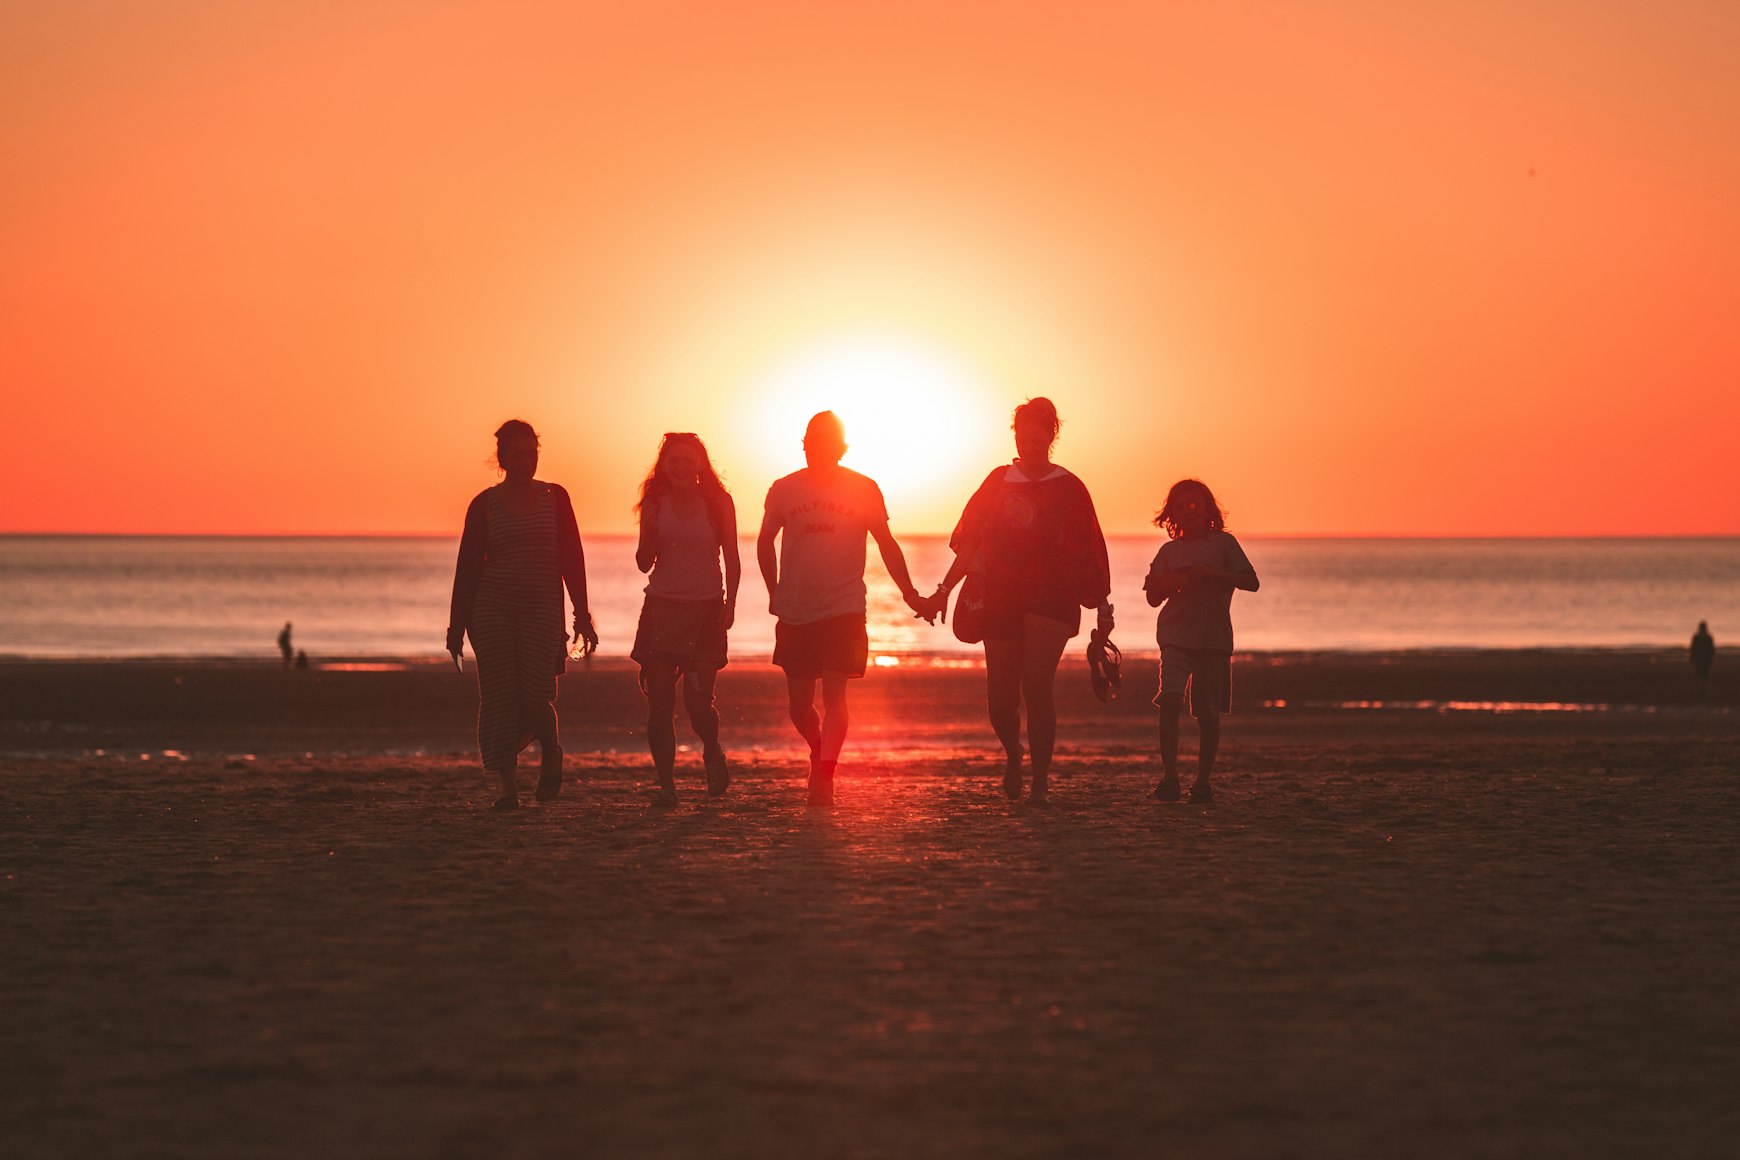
(1189, 500)
(824, 439)
(682, 449)
(516, 448)
(1036, 425)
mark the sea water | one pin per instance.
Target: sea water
(145, 596)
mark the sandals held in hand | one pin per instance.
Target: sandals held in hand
(1104, 662)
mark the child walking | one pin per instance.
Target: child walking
(1191, 582)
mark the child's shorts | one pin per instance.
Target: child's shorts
(1203, 674)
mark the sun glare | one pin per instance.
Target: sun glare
(917, 421)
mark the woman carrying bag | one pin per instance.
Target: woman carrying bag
(1031, 541)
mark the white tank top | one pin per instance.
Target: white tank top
(688, 558)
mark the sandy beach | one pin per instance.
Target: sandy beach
(260, 913)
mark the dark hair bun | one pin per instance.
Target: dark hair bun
(513, 428)
(1038, 410)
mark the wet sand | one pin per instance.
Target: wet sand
(295, 929)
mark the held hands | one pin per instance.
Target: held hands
(923, 607)
(585, 636)
(940, 602)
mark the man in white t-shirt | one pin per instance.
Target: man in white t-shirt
(815, 583)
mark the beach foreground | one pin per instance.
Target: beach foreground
(1407, 931)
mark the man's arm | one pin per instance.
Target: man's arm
(895, 561)
(767, 556)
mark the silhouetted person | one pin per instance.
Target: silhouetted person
(1031, 534)
(301, 659)
(1703, 653)
(520, 546)
(284, 645)
(1191, 581)
(688, 526)
(815, 584)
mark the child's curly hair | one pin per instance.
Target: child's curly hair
(1179, 498)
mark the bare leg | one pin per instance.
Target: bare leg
(835, 719)
(1209, 728)
(801, 698)
(540, 718)
(1171, 707)
(1003, 699)
(659, 679)
(698, 702)
(704, 720)
(1041, 649)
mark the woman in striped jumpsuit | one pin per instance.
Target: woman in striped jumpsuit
(520, 546)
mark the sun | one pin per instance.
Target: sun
(918, 421)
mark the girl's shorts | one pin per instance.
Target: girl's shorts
(1202, 675)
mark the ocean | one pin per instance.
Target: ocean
(380, 597)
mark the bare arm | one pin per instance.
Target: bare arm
(646, 551)
(895, 561)
(1158, 587)
(467, 572)
(959, 567)
(572, 555)
(733, 562)
(1245, 578)
(767, 556)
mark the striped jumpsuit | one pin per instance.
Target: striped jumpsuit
(507, 596)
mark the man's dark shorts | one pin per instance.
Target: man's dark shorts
(839, 644)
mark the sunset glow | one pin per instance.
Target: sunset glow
(917, 423)
(1454, 268)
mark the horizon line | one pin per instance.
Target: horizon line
(629, 533)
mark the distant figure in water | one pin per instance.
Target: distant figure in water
(1703, 653)
(1031, 536)
(815, 586)
(284, 644)
(1191, 581)
(688, 524)
(520, 546)
(301, 659)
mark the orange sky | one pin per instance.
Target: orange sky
(1437, 268)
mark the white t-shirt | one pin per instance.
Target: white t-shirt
(823, 515)
(1199, 617)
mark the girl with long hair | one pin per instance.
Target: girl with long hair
(688, 528)
(1191, 582)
